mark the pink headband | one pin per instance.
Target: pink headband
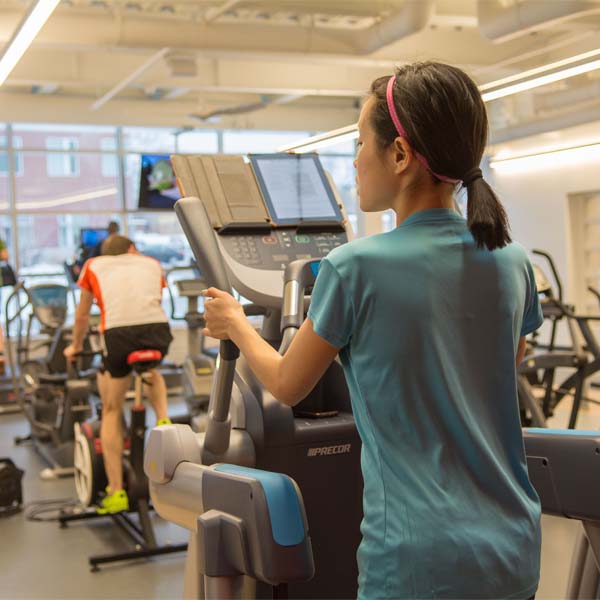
(389, 94)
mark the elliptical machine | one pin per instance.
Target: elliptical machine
(52, 397)
(198, 366)
(237, 243)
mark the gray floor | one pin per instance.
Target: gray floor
(39, 560)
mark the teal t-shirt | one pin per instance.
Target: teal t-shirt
(428, 327)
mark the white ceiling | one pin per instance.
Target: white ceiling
(288, 64)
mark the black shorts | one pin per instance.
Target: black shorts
(120, 342)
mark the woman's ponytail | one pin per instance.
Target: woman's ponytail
(486, 216)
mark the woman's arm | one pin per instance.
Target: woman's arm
(290, 377)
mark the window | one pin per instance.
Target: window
(88, 191)
(243, 142)
(57, 239)
(17, 142)
(7, 237)
(159, 235)
(60, 164)
(197, 142)
(388, 220)
(151, 140)
(3, 182)
(109, 166)
(88, 137)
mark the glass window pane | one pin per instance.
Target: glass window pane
(46, 241)
(6, 236)
(198, 142)
(88, 137)
(88, 190)
(2, 135)
(147, 139)
(343, 147)
(17, 142)
(388, 220)
(133, 167)
(110, 165)
(4, 181)
(242, 142)
(159, 235)
(343, 174)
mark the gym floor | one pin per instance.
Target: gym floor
(40, 560)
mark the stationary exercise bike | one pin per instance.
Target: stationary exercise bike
(90, 476)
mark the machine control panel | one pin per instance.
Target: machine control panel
(266, 211)
(273, 251)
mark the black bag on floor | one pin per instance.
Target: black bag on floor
(11, 493)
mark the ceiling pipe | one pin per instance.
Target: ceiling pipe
(412, 17)
(501, 23)
(135, 31)
(129, 79)
(212, 14)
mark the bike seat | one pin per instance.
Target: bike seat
(144, 360)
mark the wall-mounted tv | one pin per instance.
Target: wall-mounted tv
(158, 186)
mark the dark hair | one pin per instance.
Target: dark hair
(114, 245)
(445, 120)
(113, 227)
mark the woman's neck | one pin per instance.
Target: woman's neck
(435, 195)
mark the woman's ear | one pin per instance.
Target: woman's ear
(401, 154)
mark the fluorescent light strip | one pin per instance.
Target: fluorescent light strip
(24, 35)
(538, 70)
(322, 140)
(539, 81)
(549, 159)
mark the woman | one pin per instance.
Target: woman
(429, 321)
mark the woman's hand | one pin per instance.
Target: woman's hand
(222, 313)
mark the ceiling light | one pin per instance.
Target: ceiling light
(26, 31)
(330, 138)
(527, 80)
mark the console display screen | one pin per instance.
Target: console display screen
(295, 188)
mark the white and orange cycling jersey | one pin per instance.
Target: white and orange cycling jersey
(127, 288)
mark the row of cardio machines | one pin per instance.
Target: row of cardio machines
(261, 226)
(547, 360)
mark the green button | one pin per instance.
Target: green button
(302, 239)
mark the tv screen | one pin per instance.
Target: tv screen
(158, 186)
(90, 238)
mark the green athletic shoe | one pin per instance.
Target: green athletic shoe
(113, 503)
(166, 421)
